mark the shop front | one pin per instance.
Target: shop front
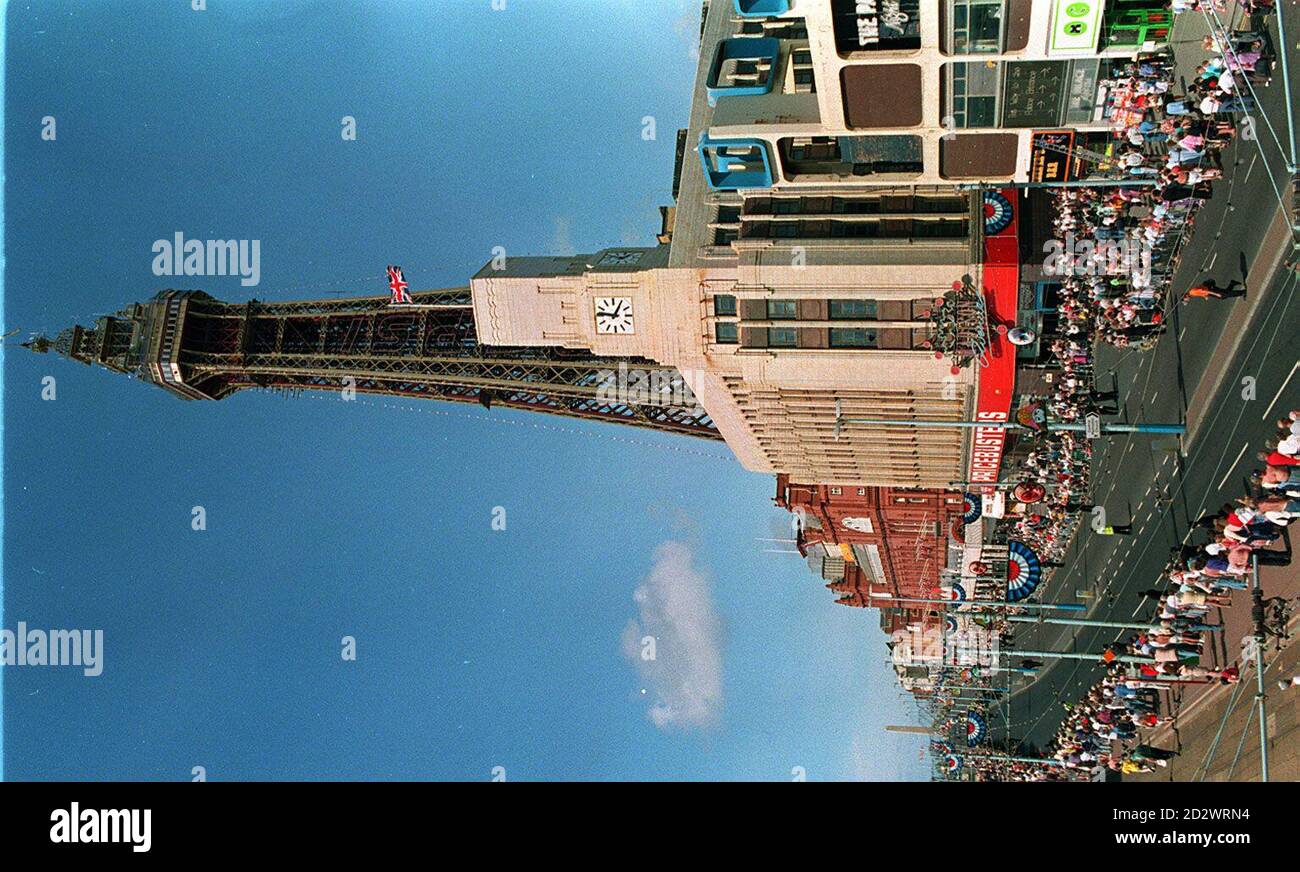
(1020, 94)
(1085, 27)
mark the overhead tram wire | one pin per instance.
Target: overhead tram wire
(1056, 700)
(1056, 695)
(1223, 37)
(1259, 110)
(1204, 768)
(1176, 249)
(1150, 365)
(1282, 295)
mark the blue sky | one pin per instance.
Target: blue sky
(476, 648)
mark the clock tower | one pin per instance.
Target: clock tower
(603, 301)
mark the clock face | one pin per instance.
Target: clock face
(613, 314)
(621, 257)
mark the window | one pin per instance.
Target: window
(976, 26)
(853, 310)
(852, 337)
(727, 215)
(944, 228)
(726, 333)
(724, 305)
(814, 148)
(855, 229)
(835, 491)
(802, 71)
(780, 309)
(973, 94)
(782, 337)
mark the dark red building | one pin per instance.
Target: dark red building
(893, 541)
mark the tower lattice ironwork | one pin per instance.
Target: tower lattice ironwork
(198, 347)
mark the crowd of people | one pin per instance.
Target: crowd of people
(1104, 729)
(1122, 242)
(1120, 249)
(1244, 532)
(1059, 464)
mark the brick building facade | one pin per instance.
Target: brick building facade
(876, 543)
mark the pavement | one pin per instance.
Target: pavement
(1217, 731)
(1227, 368)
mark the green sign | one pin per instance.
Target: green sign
(1076, 25)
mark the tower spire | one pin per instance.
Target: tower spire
(200, 348)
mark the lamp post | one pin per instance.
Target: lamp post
(1085, 622)
(1076, 426)
(1067, 607)
(1257, 614)
(1072, 655)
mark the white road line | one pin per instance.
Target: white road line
(1206, 267)
(1233, 466)
(1182, 333)
(1278, 395)
(1153, 397)
(1250, 169)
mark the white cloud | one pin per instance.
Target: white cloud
(685, 674)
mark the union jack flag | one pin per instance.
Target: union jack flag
(398, 286)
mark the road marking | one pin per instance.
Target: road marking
(1153, 397)
(1278, 395)
(1182, 333)
(1233, 466)
(1205, 267)
(1250, 169)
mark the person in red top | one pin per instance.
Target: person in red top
(1277, 458)
(1209, 289)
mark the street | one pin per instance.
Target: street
(1228, 368)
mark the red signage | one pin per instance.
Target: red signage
(997, 380)
(986, 453)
